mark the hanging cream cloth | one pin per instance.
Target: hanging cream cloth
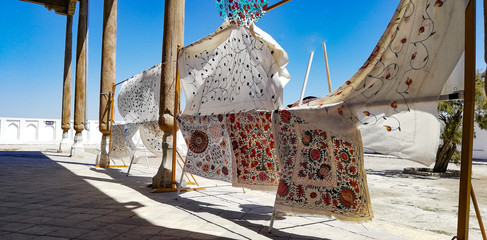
(393, 96)
(234, 69)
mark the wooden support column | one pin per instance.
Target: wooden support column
(173, 35)
(66, 111)
(80, 91)
(468, 117)
(107, 78)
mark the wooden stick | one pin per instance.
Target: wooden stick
(327, 68)
(276, 5)
(467, 131)
(306, 78)
(479, 217)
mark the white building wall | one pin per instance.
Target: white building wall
(42, 131)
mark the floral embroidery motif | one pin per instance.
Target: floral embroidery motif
(209, 154)
(321, 173)
(255, 164)
(241, 12)
(313, 163)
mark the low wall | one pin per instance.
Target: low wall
(42, 131)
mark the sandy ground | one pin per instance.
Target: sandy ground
(416, 207)
(411, 204)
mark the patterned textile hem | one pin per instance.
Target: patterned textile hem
(255, 187)
(323, 213)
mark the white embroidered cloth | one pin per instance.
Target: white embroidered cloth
(138, 99)
(393, 96)
(232, 70)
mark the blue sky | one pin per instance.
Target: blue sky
(32, 46)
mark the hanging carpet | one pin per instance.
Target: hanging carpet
(322, 165)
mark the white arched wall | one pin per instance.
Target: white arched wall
(41, 131)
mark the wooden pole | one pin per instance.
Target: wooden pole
(276, 5)
(108, 60)
(327, 68)
(467, 132)
(107, 75)
(175, 128)
(66, 112)
(172, 36)
(81, 49)
(477, 212)
(306, 78)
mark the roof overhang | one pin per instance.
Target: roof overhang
(63, 7)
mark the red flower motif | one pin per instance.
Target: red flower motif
(439, 3)
(421, 30)
(367, 113)
(394, 105)
(388, 76)
(340, 111)
(414, 55)
(388, 128)
(347, 197)
(326, 198)
(409, 81)
(404, 40)
(285, 116)
(313, 195)
(348, 82)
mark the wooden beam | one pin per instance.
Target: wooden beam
(467, 129)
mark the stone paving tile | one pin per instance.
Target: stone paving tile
(50, 238)
(19, 236)
(92, 225)
(69, 232)
(40, 229)
(99, 235)
(12, 217)
(82, 216)
(14, 227)
(150, 230)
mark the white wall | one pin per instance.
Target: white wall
(480, 144)
(42, 131)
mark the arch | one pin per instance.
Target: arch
(12, 133)
(30, 132)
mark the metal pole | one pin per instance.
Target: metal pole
(467, 132)
(306, 78)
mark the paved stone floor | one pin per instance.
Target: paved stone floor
(48, 195)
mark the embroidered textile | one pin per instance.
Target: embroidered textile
(121, 140)
(209, 151)
(393, 96)
(235, 69)
(152, 137)
(241, 12)
(255, 162)
(138, 99)
(322, 165)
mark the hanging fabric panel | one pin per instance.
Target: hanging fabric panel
(393, 96)
(235, 69)
(241, 12)
(322, 165)
(138, 99)
(255, 162)
(209, 151)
